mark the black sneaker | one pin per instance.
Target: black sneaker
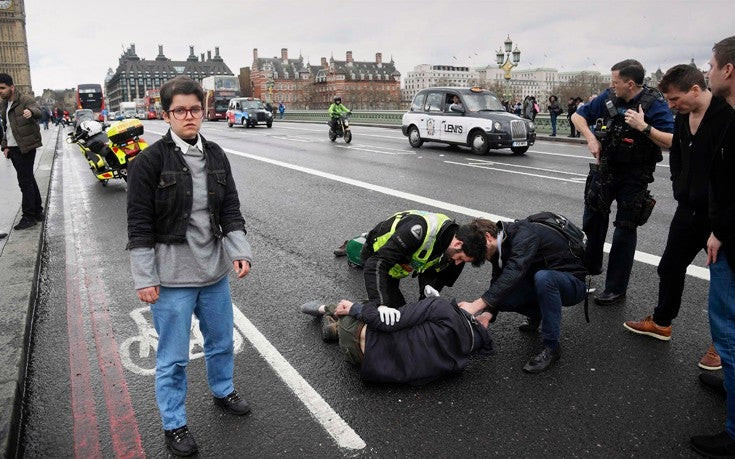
(713, 383)
(609, 298)
(180, 442)
(233, 404)
(530, 325)
(25, 223)
(543, 361)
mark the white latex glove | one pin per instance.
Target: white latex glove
(389, 316)
(430, 291)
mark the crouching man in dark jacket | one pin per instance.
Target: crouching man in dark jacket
(534, 274)
(424, 341)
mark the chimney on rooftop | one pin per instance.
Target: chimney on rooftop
(216, 51)
(378, 58)
(349, 56)
(202, 55)
(132, 48)
(324, 63)
(191, 50)
(209, 55)
(255, 53)
(160, 49)
(284, 54)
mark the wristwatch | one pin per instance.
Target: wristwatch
(647, 130)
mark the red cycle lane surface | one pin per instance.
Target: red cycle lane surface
(86, 292)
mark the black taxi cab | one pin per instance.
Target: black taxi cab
(472, 117)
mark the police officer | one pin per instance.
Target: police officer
(428, 245)
(637, 124)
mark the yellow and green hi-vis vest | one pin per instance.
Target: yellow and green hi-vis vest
(420, 259)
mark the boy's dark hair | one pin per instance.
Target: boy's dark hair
(6, 79)
(630, 69)
(682, 77)
(177, 86)
(473, 240)
(724, 51)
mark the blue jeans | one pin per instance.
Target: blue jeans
(722, 327)
(172, 319)
(543, 294)
(553, 123)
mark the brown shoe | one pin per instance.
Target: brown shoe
(649, 328)
(711, 359)
(329, 328)
(341, 251)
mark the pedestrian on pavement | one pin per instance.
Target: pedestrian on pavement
(701, 119)
(721, 250)
(22, 135)
(430, 338)
(281, 109)
(534, 274)
(554, 111)
(44, 118)
(185, 234)
(416, 242)
(639, 123)
(571, 108)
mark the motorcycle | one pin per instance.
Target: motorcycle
(340, 127)
(109, 152)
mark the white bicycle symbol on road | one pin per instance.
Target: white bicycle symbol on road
(142, 360)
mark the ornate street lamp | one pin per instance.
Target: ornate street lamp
(507, 60)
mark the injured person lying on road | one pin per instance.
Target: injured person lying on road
(418, 344)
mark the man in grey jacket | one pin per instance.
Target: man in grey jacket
(22, 135)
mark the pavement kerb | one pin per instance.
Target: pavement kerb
(560, 139)
(20, 261)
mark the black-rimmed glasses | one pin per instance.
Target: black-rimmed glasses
(180, 112)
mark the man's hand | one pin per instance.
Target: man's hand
(484, 318)
(594, 146)
(242, 268)
(473, 307)
(148, 294)
(6, 152)
(713, 247)
(389, 316)
(343, 308)
(430, 291)
(635, 118)
(27, 114)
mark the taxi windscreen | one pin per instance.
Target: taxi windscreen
(482, 102)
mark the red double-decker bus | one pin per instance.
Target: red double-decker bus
(218, 90)
(89, 96)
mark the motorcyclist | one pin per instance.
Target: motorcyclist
(336, 110)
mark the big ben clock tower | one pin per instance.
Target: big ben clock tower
(14, 44)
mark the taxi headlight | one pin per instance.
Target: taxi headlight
(269, 114)
(531, 126)
(497, 126)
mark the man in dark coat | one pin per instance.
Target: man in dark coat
(535, 273)
(429, 339)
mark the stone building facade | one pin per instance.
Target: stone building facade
(134, 76)
(14, 44)
(279, 79)
(363, 85)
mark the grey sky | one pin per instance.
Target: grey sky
(76, 42)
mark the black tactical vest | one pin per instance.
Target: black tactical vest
(623, 144)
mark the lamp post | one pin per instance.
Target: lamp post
(507, 60)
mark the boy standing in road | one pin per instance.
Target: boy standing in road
(185, 234)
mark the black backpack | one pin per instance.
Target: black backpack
(573, 234)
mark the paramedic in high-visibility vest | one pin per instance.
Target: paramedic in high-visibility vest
(427, 245)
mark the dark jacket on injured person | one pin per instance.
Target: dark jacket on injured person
(433, 338)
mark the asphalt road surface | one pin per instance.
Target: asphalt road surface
(91, 385)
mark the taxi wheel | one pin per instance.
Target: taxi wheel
(479, 143)
(518, 150)
(414, 138)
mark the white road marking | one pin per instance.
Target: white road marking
(361, 148)
(579, 180)
(335, 426)
(493, 163)
(585, 157)
(643, 257)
